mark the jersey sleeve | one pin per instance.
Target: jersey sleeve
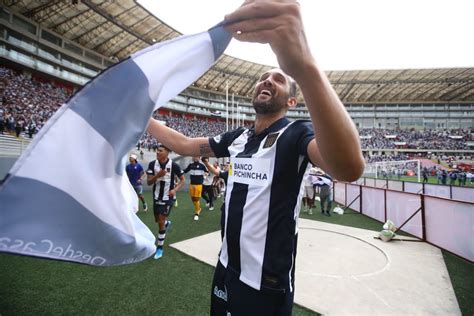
(305, 134)
(224, 175)
(220, 143)
(177, 170)
(151, 168)
(186, 170)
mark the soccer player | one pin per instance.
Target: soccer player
(309, 192)
(324, 182)
(424, 172)
(255, 270)
(135, 174)
(162, 173)
(220, 174)
(196, 170)
(208, 190)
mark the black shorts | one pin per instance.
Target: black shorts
(230, 296)
(162, 209)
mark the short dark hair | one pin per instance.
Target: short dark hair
(293, 87)
(163, 146)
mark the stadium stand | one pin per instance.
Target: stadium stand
(49, 49)
(42, 72)
(28, 102)
(396, 111)
(455, 139)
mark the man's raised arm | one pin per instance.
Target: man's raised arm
(178, 142)
(210, 167)
(278, 23)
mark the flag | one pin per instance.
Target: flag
(68, 196)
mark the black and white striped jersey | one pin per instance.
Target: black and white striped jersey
(165, 184)
(263, 201)
(322, 180)
(196, 171)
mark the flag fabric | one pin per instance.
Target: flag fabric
(68, 196)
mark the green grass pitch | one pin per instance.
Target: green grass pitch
(174, 285)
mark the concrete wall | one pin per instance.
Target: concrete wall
(5, 165)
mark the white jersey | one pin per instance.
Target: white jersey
(263, 201)
(164, 184)
(208, 178)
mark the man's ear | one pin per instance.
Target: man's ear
(291, 102)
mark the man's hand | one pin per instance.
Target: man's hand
(161, 173)
(277, 23)
(172, 193)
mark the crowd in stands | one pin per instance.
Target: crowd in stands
(193, 127)
(196, 127)
(412, 139)
(392, 157)
(27, 103)
(415, 139)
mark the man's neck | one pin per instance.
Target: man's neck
(163, 161)
(263, 121)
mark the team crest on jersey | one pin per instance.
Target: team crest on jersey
(217, 139)
(271, 139)
(220, 293)
(168, 169)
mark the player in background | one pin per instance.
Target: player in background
(207, 188)
(135, 174)
(196, 170)
(161, 173)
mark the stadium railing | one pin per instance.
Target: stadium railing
(11, 146)
(442, 222)
(452, 192)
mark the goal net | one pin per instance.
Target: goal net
(393, 170)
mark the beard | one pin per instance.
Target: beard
(270, 106)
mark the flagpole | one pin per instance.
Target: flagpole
(237, 112)
(226, 105)
(233, 111)
(238, 115)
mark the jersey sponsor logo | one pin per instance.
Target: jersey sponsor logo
(254, 171)
(271, 138)
(196, 172)
(220, 294)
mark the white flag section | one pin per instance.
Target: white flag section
(68, 196)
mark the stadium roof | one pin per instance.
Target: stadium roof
(120, 28)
